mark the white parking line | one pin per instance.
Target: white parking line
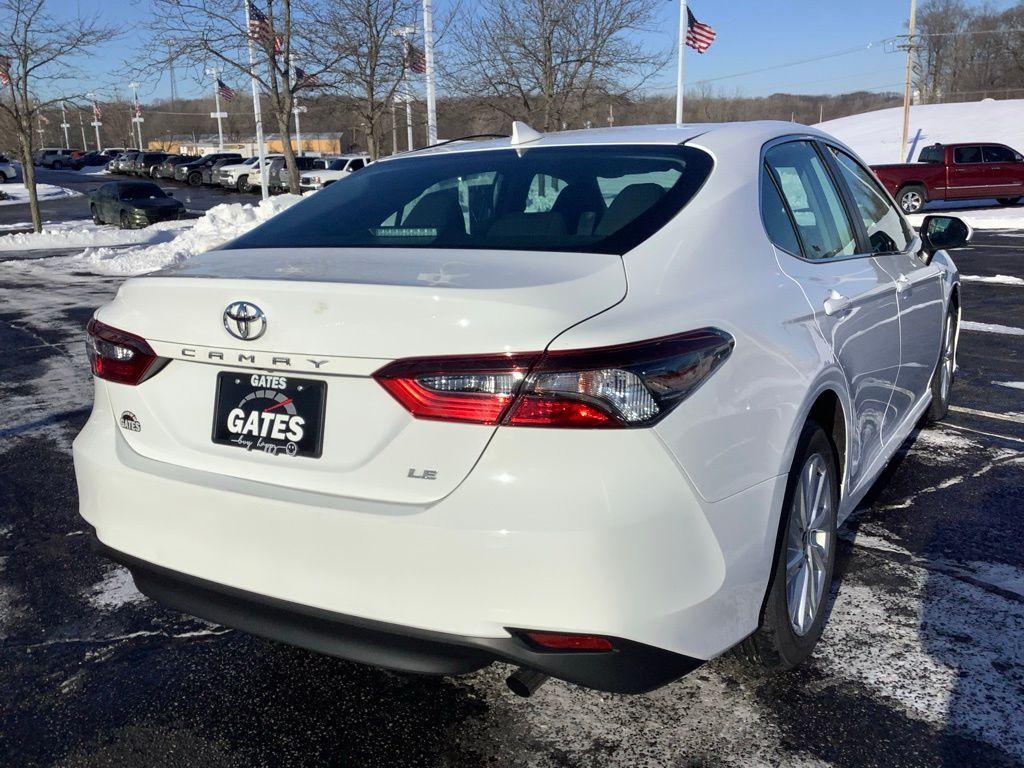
(1014, 418)
(982, 432)
(1007, 330)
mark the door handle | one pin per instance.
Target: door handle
(836, 303)
(902, 284)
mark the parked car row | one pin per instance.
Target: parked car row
(59, 158)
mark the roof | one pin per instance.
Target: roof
(759, 131)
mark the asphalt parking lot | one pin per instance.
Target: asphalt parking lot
(922, 663)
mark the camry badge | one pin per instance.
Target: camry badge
(244, 320)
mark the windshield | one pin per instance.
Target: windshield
(140, 191)
(604, 199)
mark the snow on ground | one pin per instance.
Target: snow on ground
(1008, 330)
(18, 194)
(220, 224)
(83, 234)
(876, 135)
(114, 590)
(997, 279)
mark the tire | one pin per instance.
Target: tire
(95, 215)
(243, 185)
(785, 637)
(152, 173)
(1007, 200)
(912, 199)
(126, 222)
(945, 371)
(195, 179)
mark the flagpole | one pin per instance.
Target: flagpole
(428, 49)
(138, 119)
(95, 119)
(216, 101)
(257, 114)
(683, 26)
(64, 124)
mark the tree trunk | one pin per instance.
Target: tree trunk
(28, 176)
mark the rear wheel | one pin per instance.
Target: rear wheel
(243, 185)
(1007, 200)
(95, 215)
(195, 179)
(942, 379)
(911, 199)
(795, 609)
(126, 222)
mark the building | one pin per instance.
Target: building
(315, 144)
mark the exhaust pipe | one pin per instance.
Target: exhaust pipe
(523, 682)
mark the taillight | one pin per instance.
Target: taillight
(563, 641)
(629, 385)
(120, 356)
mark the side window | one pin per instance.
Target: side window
(355, 165)
(813, 200)
(995, 153)
(542, 193)
(777, 224)
(966, 155)
(883, 224)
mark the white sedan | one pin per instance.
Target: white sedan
(591, 403)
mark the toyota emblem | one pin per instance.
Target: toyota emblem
(244, 320)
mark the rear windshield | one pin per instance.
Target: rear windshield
(933, 154)
(604, 199)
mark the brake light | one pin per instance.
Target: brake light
(119, 356)
(560, 641)
(628, 385)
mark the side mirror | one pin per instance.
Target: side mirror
(942, 232)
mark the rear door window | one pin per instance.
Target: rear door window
(813, 200)
(967, 155)
(884, 226)
(777, 222)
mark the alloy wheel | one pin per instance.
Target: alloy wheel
(911, 202)
(809, 544)
(948, 360)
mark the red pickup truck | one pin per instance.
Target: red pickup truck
(956, 172)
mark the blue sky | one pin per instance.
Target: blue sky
(753, 35)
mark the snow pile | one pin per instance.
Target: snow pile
(17, 193)
(997, 280)
(875, 136)
(83, 233)
(220, 224)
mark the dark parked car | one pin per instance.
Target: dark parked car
(956, 172)
(166, 169)
(146, 164)
(89, 160)
(193, 172)
(210, 171)
(120, 162)
(133, 204)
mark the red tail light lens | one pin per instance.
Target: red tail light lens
(629, 385)
(560, 641)
(120, 356)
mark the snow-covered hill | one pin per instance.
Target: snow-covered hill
(876, 135)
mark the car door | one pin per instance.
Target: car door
(1005, 170)
(919, 292)
(967, 176)
(852, 300)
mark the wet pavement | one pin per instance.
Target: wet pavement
(922, 663)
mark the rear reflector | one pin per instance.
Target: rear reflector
(628, 385)
(559, 641)
(119, 356)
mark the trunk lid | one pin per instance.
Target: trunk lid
(338, 316)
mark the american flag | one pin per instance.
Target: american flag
(138, 108)
(97, 113)
(415, 59)
(259, 24)
(5, 70)
(305, 80)
(698, 36)
(278, 45)
(225, 91)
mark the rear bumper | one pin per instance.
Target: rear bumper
(630, 668)
(584, 532)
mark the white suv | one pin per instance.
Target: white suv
(54, 157)
(592, 403)
(334, 168)
(244, 176)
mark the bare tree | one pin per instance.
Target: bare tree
(36, 53)
(291, 38)
(547, 60)
(371, 59)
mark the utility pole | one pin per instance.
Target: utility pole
(81, 124)
(65, 125)
(261, 150)
(138, 119)
(428, 49)
(297, 110)
(218, 115)
(906, 91)
(96, 114)
(404, 32)
(684, 25)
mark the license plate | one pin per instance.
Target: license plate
(264, 412)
